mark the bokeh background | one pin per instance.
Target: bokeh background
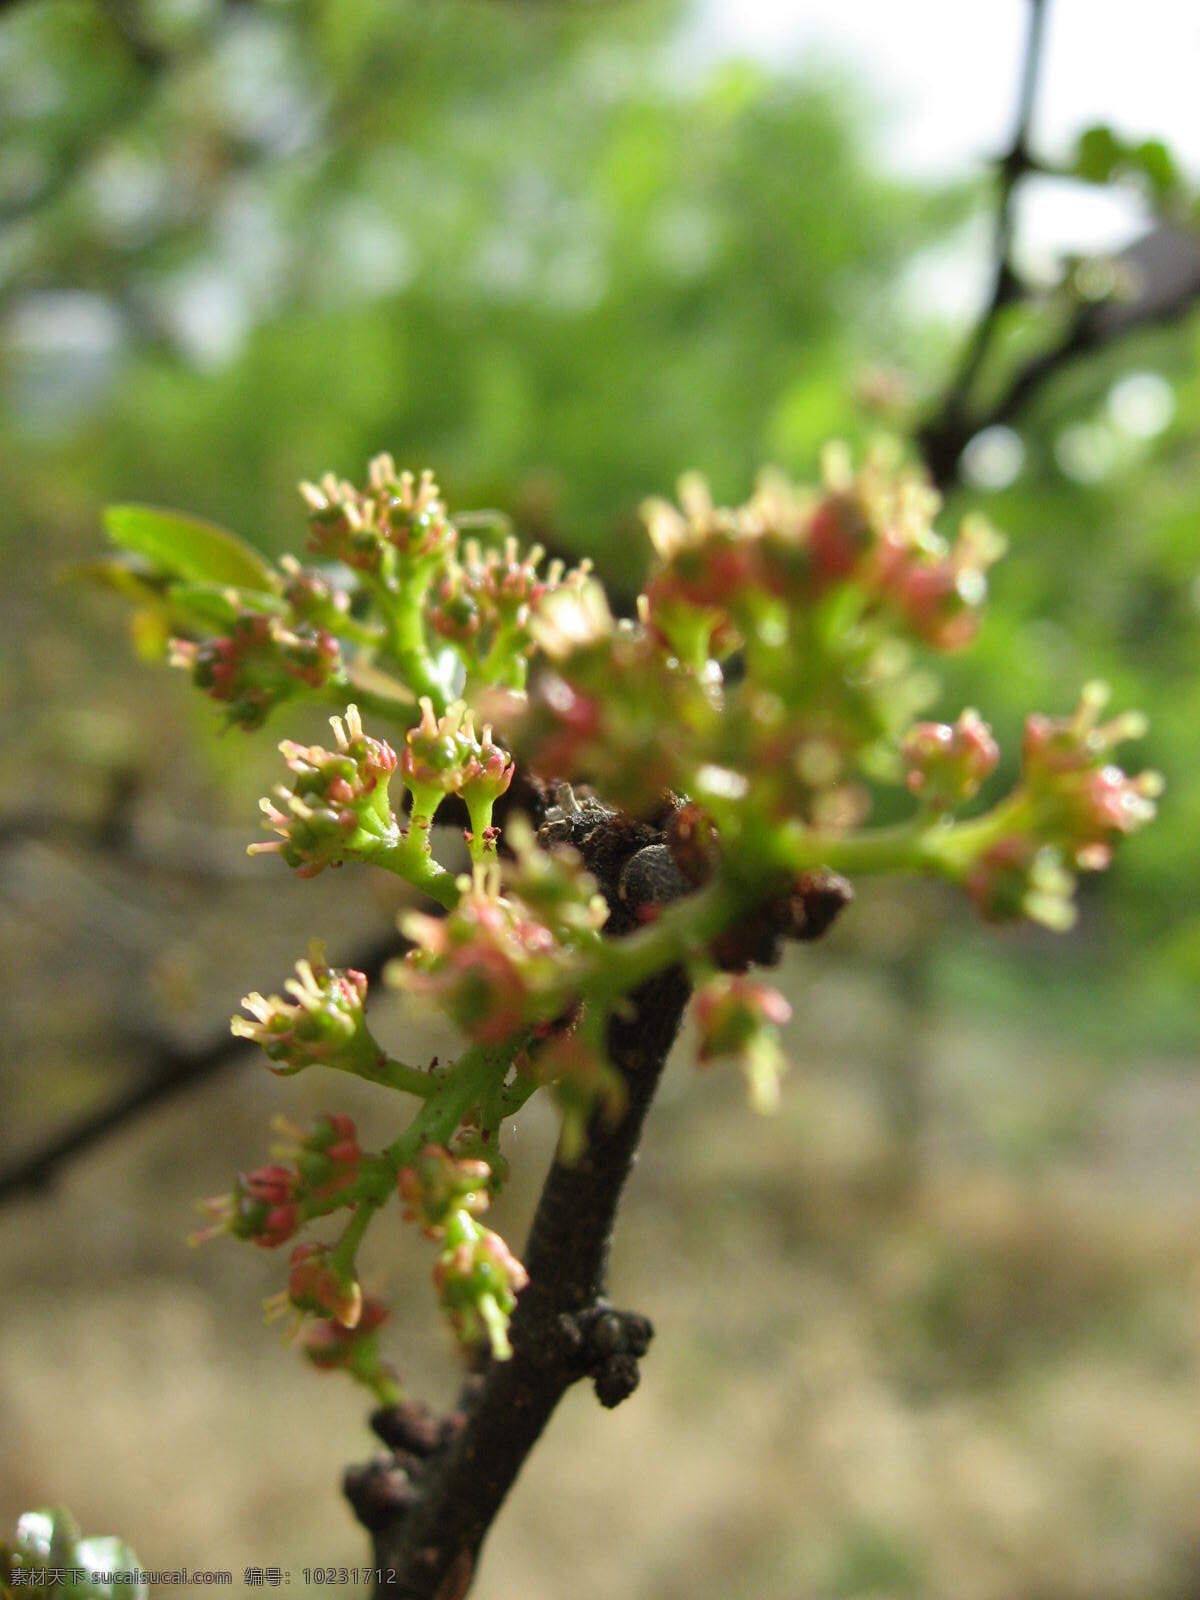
(935, 1329)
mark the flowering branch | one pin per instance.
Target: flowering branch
(725, 811)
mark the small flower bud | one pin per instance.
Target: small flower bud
(478, 1279)
(740, 1019)
(311, 594)
(946, 765)
(327, 1157)
(322, 1022)
(263, 1207)
(316, 1285)
(437, 1183)
(338, 805)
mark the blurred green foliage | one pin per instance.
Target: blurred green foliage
(540, 249)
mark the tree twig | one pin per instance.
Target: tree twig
(940, 438)
(1163, 266)
(170, 1071)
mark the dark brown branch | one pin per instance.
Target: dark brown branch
(1164, 266)
(940, 437)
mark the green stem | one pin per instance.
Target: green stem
(346, 1249)
(417, 868)
(470, 1081)
(479, 810)
(403, 609)
(392, 1074)
(676, 933)
(938, 845)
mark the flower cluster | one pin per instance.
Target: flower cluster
(445, 756)
(731, 797)
(493, 964)
(823, 592)
(261, 662)
(485, 602)
(1082, 799)
(322, 1022)
(1072, 805)
(719, 570)
(338, 804)
(396, 517)
(269, 1204)
(312, 594)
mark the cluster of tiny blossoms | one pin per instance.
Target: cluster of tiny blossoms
(259, 663)
(826, 596)
(770, 679)
(498, 965)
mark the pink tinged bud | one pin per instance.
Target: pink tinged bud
(478, 1279)
(262, 1208)
(739, 1019)
(947, 765)
(314, 1285)
(837, 537)
(274, 1185)
(330, 1345)
(1085, 802)
(731, 1006)
(322, 1020)
(437, 1183)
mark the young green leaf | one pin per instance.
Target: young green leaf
(186, 547)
